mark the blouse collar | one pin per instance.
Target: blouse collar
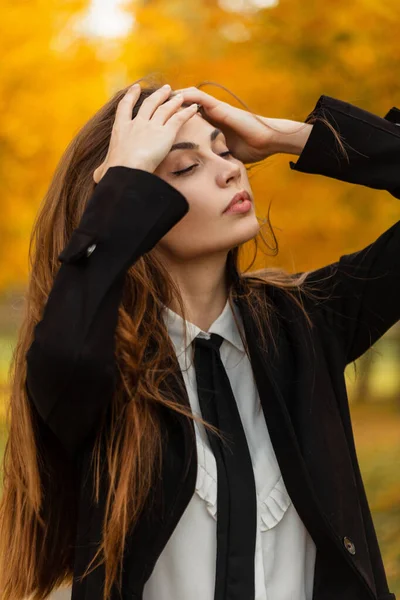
(224, 326)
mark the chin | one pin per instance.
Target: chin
(245, 231)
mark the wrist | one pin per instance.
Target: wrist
(132, 164)
(287, 137)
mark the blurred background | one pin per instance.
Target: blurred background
(62, 60)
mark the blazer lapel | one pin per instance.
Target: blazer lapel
(273, 371)
(286, 377)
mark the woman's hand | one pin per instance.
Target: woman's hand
(247, 138)
(250, 137)
(143, 142)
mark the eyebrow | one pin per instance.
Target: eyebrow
(191, 145)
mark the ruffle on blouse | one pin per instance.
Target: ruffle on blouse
(273, 502)
(206, 484)
(273, 505)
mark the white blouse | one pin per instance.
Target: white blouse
(285, 553)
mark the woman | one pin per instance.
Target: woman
(110, 476)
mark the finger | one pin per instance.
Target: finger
(191, 91)
(192, 94)
(181, 90)
(123, 113)
(177, 120)
(166, 110)
(151, 103)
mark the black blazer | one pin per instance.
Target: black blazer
(70, 364)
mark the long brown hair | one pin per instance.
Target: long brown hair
(40, 492)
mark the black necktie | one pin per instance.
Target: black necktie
(236, 490)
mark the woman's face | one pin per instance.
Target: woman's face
(208, 187)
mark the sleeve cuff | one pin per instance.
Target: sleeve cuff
(352, 145)
(118, 188)
(321, 147)
(125, 203)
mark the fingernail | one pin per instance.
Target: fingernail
(167, 86)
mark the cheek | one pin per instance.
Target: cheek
(200, 219)
(193, 234)
(205, 208)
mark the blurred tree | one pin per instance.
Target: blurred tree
(278, 59)
(51, 81)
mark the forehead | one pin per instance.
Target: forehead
(196, 129)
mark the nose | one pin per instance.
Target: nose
(228, 171)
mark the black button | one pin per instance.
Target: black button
(78, 246)
(348, 544)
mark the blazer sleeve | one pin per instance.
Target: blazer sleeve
(360, 293)
(70, 363)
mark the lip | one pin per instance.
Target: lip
(243, 195)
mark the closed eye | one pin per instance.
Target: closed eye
(177, 173)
